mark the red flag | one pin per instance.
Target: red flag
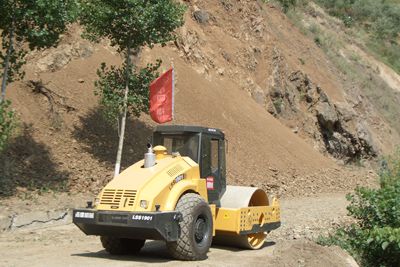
(162, 97)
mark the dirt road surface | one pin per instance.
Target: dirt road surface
(302, 218)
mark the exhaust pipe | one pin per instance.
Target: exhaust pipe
(149, 157)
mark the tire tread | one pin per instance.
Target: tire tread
(182, 248)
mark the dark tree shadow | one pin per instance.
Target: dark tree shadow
(27, 163)
(100, 138)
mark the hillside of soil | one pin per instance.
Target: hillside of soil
(241, 66)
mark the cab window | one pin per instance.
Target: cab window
(214, 155)
(185, 144)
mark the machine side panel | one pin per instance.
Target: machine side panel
(247, 219)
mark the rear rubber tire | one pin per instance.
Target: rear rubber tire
(195, 229)
(121, 246)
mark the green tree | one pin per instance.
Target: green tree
(129, 25)
(111, 87)
(36, 23)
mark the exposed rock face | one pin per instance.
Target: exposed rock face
(265, 73)
(334, 126)
(55, 59)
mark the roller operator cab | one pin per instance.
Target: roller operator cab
(178, 194)
(205, 146)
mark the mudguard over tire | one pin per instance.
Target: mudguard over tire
(121, 246)
(196, 229)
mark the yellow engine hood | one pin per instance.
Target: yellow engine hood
(152, 184)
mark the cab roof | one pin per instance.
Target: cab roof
(189, 129)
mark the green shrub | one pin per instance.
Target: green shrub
(285, 4)
(7, 123)
(374, 240)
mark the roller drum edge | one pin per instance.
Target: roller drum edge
(236, 197)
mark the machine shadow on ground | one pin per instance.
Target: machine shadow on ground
(155, 252)
(152, 252)
(100, 138)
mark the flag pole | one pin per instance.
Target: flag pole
(173, 89)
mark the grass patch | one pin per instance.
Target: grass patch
(387, 53)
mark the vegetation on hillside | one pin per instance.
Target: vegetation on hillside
(378, 19)
(7, 123)
(286, 4)
(374, 240)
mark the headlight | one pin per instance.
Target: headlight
(143, 204)
(87, 215)
(96, 201)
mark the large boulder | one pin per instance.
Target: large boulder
(327, 116)
(345, 111)
(201, 16)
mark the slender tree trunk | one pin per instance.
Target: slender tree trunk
(125, 111)
(7, 65)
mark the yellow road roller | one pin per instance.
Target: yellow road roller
(178, 194)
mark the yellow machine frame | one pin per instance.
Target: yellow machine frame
(166, 183)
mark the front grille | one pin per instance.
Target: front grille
(114, 197)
